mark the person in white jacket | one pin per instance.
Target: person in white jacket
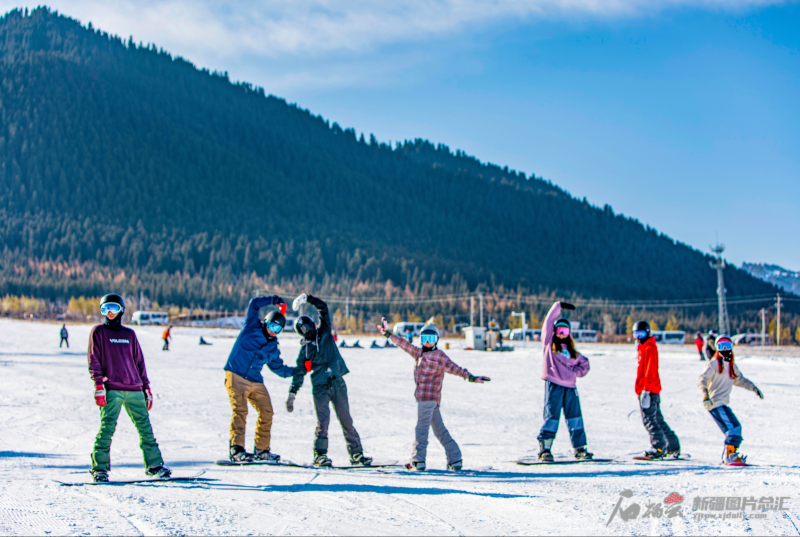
(716, 383)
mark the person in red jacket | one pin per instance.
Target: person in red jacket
(648, 388)
(699, 342)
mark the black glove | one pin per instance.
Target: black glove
(383, 328)
(758, 392)
(290, 402)
(479, 380)
(567, 306)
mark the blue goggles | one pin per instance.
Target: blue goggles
(274, 327)
(110, 307)
(725, 346)
(640, 334)
(428, 338)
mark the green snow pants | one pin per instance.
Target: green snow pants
(136, 407)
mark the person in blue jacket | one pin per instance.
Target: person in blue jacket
(256, 346)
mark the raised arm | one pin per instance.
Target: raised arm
(324, 314)
(548, 324)
(251, 320)
(410, 348)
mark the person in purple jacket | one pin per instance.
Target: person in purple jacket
(562, 364)
(117, 367)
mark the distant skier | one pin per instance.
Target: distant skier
(256, 346)
(430, 366)
(710, 349)
(203, 341)
(410, 335)
(716, 382)
(166, 336)
(64, 336)
(562, 365)
(319, 356)
(648, 389)
(699, 342)
(117, 367)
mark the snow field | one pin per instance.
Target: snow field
(48, 423)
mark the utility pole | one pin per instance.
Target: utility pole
(763, 326)
(524, 326)
(480, 300)
(778, 335)
(472, 311)
(722, 304)
(346, 313)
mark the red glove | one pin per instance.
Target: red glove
(282, 307)
(148, 398)
(100, 395)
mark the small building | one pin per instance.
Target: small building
(475, 337)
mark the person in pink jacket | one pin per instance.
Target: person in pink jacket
(561, 365)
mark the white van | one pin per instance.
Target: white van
(673, 337)
(400, 329)
(150, 317)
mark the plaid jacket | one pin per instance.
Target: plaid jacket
(429, 370)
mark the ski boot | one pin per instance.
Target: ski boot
(654, 454)
(674, 454)
(419, 466)
(265, 455)
(238, 454)
(455, 466)
(100, 476)
(359, 459)
(732, 457)
(161, 472)
(582, 455)
(321, 460)
(544, 450)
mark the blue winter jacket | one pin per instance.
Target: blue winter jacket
(252, 350)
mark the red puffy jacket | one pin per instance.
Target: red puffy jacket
(647, 374)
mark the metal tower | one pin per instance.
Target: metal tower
(719, 265)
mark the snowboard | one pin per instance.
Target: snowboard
(737, 464)
(534, 462)
(684, 457)
(375, 464)
(438, 471)
(228, 462)
(131, 481)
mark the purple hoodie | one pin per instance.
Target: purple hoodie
(556, 367)
(117, 356)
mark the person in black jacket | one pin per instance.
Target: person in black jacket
(320, 357)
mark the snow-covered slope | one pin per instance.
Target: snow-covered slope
(48, 421)
(779, 276)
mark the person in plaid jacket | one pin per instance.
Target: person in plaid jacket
(431, 365)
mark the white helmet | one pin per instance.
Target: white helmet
(430, 328)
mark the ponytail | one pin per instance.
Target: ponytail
(720, 367)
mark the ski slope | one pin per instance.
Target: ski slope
(48, 420)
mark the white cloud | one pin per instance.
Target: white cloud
(316, 28)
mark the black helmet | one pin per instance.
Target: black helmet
(113, 298)
(275, 316)
(305, 326)
(642, 326)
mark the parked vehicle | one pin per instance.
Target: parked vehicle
(149, 317)
(400, 329)
(750, 339)
(670, 337)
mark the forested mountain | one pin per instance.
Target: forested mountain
(125, 168)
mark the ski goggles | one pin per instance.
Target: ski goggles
(110, 307)
(640, 334)
(274, 327)
(562, 331)
(725, 345)
(428, 338)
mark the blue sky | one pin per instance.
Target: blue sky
(683, 114)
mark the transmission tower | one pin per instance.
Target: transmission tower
(719, 266)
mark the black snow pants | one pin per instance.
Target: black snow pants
(334, 392)
(661, 436)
